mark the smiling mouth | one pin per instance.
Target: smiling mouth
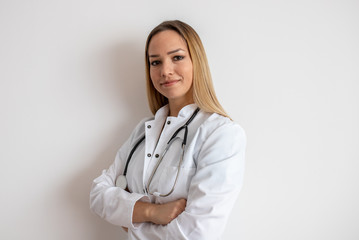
(169, 83)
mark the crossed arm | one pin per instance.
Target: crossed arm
(202, 215)
(157, 213)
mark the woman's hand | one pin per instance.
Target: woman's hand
(158, 213)
(165, 213)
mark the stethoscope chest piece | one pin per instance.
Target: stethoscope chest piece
(121, 182)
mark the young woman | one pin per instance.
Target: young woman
(179, 173)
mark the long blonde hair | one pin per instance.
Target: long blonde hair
(203, 91)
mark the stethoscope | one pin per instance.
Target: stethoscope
(121, 180)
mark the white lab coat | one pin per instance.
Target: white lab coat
(210, 179)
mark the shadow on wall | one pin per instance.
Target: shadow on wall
(124, 68)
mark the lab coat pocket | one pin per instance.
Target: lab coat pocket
(168, 178)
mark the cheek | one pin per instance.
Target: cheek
(189, 71)
(153, 76)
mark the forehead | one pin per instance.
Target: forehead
(166, 41)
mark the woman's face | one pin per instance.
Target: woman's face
(171, 68)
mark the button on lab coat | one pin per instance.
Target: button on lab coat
(210, 177)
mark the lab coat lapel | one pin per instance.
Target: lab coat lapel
(153, 130)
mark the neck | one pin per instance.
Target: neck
(176, 106)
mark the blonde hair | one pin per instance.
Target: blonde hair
(203, 91)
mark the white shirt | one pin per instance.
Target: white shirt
(210, 178)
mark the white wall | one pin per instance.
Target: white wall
(72, 88)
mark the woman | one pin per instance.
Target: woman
(183, 188)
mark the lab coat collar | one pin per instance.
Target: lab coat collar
(162, 112)
(187, 110)
(183, 113)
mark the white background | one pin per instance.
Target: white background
(72, 89)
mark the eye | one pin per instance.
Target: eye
(155, 63)
(178, 58)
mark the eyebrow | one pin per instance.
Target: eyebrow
(168, 53)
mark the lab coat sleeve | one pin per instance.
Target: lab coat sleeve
(213, 189)
(112, 203)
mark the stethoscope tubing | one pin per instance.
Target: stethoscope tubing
(158, 164)
(132, 152)
(169, 143)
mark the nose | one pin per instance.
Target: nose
(167, 69)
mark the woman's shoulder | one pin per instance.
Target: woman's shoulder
(217, 128)
(217, 122)
(219, 133)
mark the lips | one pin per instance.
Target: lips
(169, 83)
